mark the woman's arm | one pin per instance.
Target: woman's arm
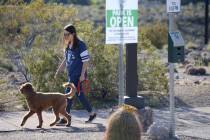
(84, 68)
(61, 68)
(85, 58)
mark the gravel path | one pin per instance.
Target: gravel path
(191, 124)
(10, 129)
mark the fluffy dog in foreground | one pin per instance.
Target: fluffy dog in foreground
(38, 101)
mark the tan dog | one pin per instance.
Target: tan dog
(38, 101)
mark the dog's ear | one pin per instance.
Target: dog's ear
(21, 87)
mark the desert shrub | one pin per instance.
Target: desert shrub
(208, 47)
(154, 98)
(156, 33)
(4, 62)
(42, 70)
(183, 2)
(191, 45)
(151, 70)
(29, 33)
(152, 75)
(7, 66)
(96, 2)
(21, 25)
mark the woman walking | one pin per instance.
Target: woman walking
(75, 61)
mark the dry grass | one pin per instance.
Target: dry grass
(10, 99)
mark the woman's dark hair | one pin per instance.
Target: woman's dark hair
(72, 30)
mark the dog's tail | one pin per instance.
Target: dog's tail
(72, 91)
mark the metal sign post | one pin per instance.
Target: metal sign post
(171, 84)
(172, 7)
(175, 55)
(121, 28)
(121, 66)
(206, 21)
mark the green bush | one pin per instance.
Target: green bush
(156, 33)
(151, 75)
(7, 66)
(208, 47)
(4, 62)
(154, 98)
(151, 70)
(43, 69)
(191, 45)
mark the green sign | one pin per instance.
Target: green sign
(129, 19)
(121, 21)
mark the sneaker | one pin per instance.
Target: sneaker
(61, 122)
(91, 118)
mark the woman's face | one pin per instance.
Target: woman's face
(68, 37)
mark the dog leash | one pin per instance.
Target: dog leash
(87, 87)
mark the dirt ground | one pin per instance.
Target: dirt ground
(193, 91)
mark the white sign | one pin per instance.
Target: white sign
(128, 18)
(173, 6)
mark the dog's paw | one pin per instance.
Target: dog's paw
(68, 125)
(39, 126)
(21, 124)
(52, 124)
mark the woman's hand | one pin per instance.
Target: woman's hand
(55, 76)
(82, 78)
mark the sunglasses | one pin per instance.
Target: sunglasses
(66, 34)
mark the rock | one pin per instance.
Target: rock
(146, 117)
(201, 71)
(205, 58)
(187, 67)
(191, 70)
(197, 82)
(158, 131)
